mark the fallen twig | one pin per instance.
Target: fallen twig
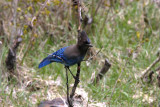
(144, 73)
(149, 78)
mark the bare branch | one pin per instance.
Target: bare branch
(76, 82)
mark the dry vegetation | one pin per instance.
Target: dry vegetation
(128, 31)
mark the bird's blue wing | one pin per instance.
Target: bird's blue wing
(45, 61)
(57, 56)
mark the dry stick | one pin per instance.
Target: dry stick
(102, 72)
(148, 68)
(68, 99)
(152, 72)
(76, 81)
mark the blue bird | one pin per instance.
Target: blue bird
(70, 55)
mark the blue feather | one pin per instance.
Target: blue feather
(69, 55)
(45, 62)
(57, 56)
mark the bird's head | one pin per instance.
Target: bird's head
(83, 40)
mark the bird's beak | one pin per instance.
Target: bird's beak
(89, 45)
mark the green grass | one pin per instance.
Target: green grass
(117, 37)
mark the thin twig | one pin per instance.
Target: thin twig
(45, 53)
(68, 99)
(144, 73)
(94, 55)
(150, 75)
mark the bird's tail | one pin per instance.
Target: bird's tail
(45, 62)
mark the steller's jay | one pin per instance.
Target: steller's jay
(70, 55)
